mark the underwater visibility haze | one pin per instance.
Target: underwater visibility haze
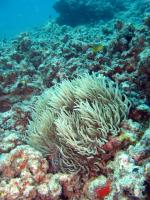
(75, 100)
(22, 15)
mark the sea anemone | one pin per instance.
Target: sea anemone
(74, 119)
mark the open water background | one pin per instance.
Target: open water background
(22, 15)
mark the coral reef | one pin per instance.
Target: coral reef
(24, 175)
(75, 12)
(118, 48)
(128, 178)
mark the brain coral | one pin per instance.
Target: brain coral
(72, 120)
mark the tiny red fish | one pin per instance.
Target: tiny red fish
(102, 192)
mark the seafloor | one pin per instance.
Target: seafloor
(34, 61)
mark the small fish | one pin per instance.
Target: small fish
(102, 192)
(97, 47)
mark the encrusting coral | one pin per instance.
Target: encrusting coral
(74, 119)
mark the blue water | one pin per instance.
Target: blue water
(23, 15)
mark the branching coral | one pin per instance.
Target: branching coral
(72, 120)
